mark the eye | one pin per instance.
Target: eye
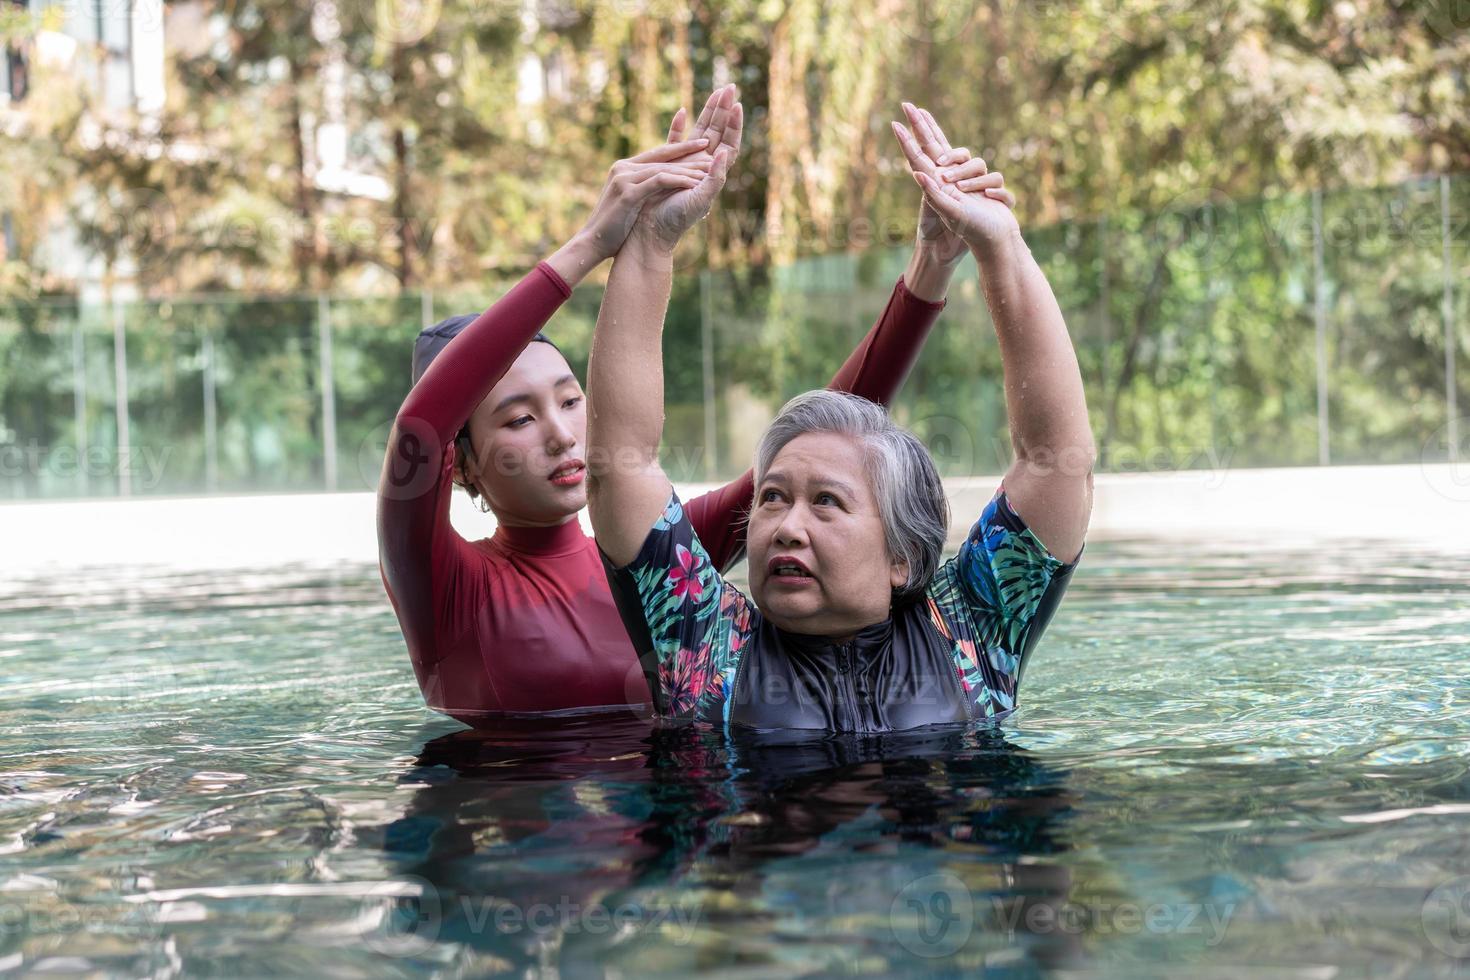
(518, 422)
(768, 495)
(571, 401)
(829, 498)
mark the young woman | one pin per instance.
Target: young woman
(524, 621)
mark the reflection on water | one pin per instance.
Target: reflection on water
(1224, 760)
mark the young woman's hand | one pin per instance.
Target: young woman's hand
(662, 222)
(964, 201)
(634, 183)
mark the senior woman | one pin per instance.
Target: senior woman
(852, 622)
(523, 621)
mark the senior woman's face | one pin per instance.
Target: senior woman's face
(818, 558)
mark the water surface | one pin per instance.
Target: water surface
(1226, 758)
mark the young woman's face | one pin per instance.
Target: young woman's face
(529, 440)
(816, 507)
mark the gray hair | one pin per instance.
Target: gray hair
(911, 500)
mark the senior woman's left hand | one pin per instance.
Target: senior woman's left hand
(662, 224)
(969, 199)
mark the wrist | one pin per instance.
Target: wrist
(929, 272)
(646, 248)
(1001, 249)
(579, 256)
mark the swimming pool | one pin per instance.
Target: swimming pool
(1225, 758)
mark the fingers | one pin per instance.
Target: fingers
(702, 123)
(676, 127)
(1003, 196)
(704, 196)
(942, 197)
(726, 122)
(733, 129)
(938, 133)
(982, 182)
(638, 174)
(665, 182)
(722, 116)
(922, 130)
(706, 115)
(964, 171)
(919, 161)
(670, 151)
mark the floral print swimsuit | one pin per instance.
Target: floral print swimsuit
(955, 654)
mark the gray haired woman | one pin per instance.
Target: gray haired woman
(852, 622)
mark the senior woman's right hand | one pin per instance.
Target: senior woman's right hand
(971, 200)
(635, 183)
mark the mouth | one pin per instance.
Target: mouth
(568, 474)
(788, 571)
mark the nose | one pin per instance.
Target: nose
(791, 532)
(560, 436)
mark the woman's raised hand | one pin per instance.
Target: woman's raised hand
(634, 183)
(663, 221)
(964, 202)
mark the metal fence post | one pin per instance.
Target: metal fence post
(120, 379)
(79, 398)
(329, 400)
(1447, 313)
(1324, 456)
(1106, 360)
(426, 308)
(707, 367)
(211, 420)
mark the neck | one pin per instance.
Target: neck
(511, 520)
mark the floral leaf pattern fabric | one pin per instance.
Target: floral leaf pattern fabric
(986, 601)
(698, 623)
(693, 629)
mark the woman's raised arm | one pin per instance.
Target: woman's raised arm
(627, 488)
(1050, 482)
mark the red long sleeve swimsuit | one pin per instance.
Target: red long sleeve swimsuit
(524, 620)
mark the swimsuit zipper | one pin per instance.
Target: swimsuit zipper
(844, 667)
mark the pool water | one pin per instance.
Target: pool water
(1226, 759)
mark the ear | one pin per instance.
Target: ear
(462, 456)
(898, 574)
